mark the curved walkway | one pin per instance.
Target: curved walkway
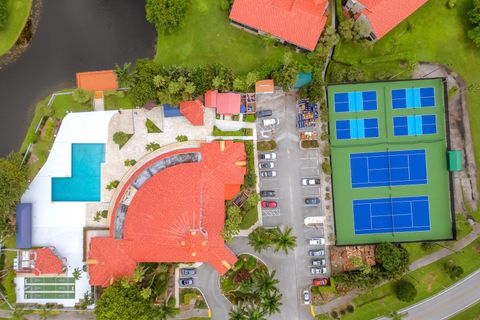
(431, 258)
(208, 282)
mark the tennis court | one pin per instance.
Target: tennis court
(357, 128)
(390, 178)
(49, 280)
(380, 169)
(413, 98)
(355, 101)
(405, 214)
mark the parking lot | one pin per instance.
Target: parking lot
(292, 164)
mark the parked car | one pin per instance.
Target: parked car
(306, 297)
(316, 241)
(267, 193)
(268, 174)
(270, 121)
(266, 165)
(318, 262)
(318, 270)
(267, 156)
(320, 282)
(269, 204)
(188, 271)
(264, 113)
(312, 201)
(186, 282)
(316, 253)
(310, 181)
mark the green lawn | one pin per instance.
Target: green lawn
(207, 37)
(428, 280)
(18, 11)
(250, 218)
(113, 102)
(472, 313)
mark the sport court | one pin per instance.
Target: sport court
(389, 162)
(49, 288)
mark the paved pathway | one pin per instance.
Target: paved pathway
(208, 282)
(447, 303)
(460, 244)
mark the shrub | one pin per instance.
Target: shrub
(427, 245)
(130, 162)
(113, 184)
(151, 127)
(453, 270)
(181, 138)
(152, 146)
(81, 96)
(100, 214)
(121, 138)
(200, 304)
(3, 14)
(266, 145)
(326, 167)
(310, 144)
(49, 130)
(451, 4)
(166, 15)
(405, 291)
(334, 314)
(225, 5)
(350, 308)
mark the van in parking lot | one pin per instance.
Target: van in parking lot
(264, 113)
(270, 121)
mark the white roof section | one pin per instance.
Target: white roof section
(60, 224)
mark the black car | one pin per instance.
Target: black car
(186, 282)
(267, 193)
(312, 201)
(188, 271)
(264, 113)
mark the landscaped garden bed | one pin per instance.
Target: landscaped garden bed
(240, 132)
(266, 145)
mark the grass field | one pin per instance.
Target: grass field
(207, 37)
(437, 187)
(428, 280)
(472, 313)
(18, 11)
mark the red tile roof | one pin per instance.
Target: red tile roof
(384, 15)
(176, 216)
(211, 99)
(46, 262)
(193, 111)
(97, 80)
(300, 22)
(228, 103)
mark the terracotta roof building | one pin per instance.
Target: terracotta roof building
(265, 86)
(97, 80)
(171, 209)
(211, 98)
(193, 111)
(382, 15)
(228, 103)
(46, 262)
(298, 22)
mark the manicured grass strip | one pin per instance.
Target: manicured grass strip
(240, 132)
(250, 218)
(472, 313)
(428, 280)
(207, 37)
(151, 127)
(18, 12)
(113, 102)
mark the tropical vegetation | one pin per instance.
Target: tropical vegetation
(276, 238)
(13, 18)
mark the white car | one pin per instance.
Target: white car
(268, 156)
(266, 165)
(310, 181)
(306, 297)
(270, 122)
(318, 270)
(316, 241)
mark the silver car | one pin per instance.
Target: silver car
(318, 270)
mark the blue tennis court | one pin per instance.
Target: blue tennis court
(415, 125)
(389, 215)
(356, 101)
(357, 128)
(393, 168)
(413, 98)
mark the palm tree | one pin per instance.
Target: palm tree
(253, 312)
(19, 314)
(265, 282)
(45, 314)
(236, 313)
(123, 74)
(283, 240)
(165, 311)
(259, 239)
(272, 302)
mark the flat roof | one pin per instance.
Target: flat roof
(97, 80)
(392, 138)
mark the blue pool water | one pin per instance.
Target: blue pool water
(303, 79)
(85, 180)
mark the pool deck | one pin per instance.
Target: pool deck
(60, 224)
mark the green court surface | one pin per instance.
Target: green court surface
(386, 140)
(49, 288)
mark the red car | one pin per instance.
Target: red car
(269, 204)
(320, 282)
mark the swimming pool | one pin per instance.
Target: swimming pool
(85, 180)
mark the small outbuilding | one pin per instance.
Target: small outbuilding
(264, 86)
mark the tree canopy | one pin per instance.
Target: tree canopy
(474, 17)
(392, 258)
(3, 14)
(166, 15)
(405, 291)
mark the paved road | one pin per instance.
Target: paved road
(447, 303)
(208, 281)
